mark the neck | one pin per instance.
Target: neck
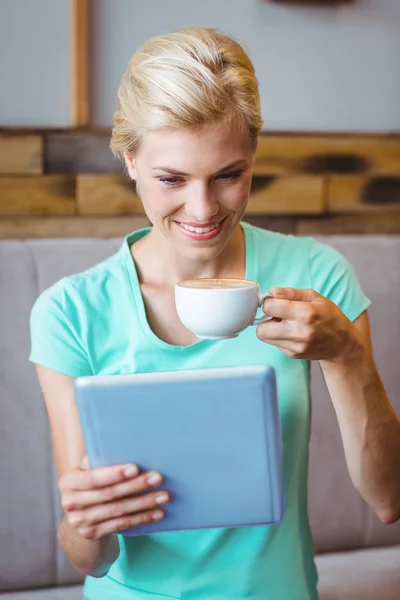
(157, 261)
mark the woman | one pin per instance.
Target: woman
(186, 125)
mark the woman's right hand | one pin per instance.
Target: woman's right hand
(99, 502)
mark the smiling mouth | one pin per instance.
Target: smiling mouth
(201, 229)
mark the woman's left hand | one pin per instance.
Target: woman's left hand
(307, 325)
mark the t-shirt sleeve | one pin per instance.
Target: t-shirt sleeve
(56, 342)
(333, 276)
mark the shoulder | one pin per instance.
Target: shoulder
(73, 294)
(280, 245)
(305, 250)
(63, 314)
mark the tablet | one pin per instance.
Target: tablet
(214, 434)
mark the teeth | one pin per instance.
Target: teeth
(199, 229)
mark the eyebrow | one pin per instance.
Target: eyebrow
(236, 163)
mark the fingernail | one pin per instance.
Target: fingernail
(157, 515)
(277, 292)
(154, 478)
(131, 470)
(162, 498)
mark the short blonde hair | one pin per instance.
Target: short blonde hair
(188, 78)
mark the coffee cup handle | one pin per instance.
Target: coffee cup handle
(261, 298)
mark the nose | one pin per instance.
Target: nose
(201, 205)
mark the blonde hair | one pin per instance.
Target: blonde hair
(188, 78)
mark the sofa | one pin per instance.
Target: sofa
(358, 557)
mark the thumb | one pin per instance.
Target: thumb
(84, 464)
(298, 295)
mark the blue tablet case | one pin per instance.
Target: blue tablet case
(215, 434)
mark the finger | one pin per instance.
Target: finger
(294, 294)
(285, 346)
(120, 524)
(271, 331)
(281, 309)
(113, 510)
(77, 500)
(86, 479)
(85, 463)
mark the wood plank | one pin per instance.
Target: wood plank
(286, 195)
(319, 154)
(107, 195)
(79, 152)
(37, 195)
(21, 154)
(363, 194)
(80, 62)
(382, 223)
(69, 227)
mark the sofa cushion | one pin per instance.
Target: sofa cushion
(340, 519)
(55, 593)
(26, 510)
(372, 574)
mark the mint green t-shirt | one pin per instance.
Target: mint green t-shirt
(95, 322)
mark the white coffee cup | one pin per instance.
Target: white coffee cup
(217, 309)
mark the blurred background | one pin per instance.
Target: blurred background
(328, 159)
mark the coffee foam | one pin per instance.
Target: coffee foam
(216, 284)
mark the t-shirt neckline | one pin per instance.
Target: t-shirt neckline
(137, 297)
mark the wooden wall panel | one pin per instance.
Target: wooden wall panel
(302, 184)
(80, 62)
(286, 195)
(37, 195)
(21, 154)
(69, 227)
(363, 194)
(107, 195)
(278, 154)
(79, 152)
(388, 224)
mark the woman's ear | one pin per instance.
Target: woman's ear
(130, 165)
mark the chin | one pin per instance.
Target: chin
(204, 253)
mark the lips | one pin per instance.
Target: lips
(201, 233)
(198, 229)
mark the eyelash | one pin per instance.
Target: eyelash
(172, 181)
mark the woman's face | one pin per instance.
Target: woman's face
(194, 185)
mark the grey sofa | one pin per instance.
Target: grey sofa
(358, 557)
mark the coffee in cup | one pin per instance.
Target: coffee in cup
(218, 308)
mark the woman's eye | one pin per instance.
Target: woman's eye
(170, 180)
(232, 175)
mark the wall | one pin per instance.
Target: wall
(320, 69)
(35, 63)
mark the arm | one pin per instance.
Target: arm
(89, 556)
(307, 325)
(369, 426)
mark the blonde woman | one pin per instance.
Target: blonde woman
(186, 127)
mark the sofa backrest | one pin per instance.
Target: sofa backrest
(340, 519)
(29, 500)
